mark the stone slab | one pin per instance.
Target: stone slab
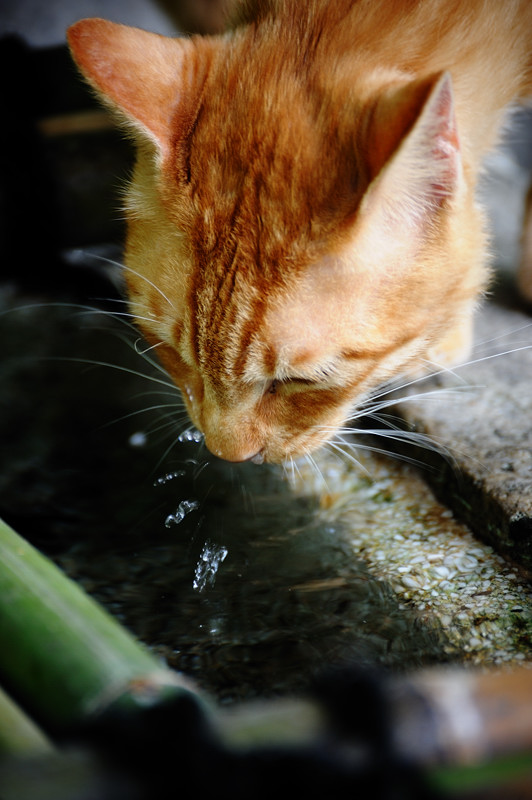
(482, 426)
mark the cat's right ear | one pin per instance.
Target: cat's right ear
(141, 75)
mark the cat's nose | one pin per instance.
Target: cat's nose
(256, 458)
(231, 451)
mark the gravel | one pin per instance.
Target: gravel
(433, 562)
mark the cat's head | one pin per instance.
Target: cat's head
(294, 240)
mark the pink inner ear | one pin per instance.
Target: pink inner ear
(444, 111)
(137, 72)
(414, 132)
(446, 144)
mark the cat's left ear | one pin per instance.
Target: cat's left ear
(141, 75)
(425, 167)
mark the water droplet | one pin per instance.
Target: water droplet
(184, 508)
(190, 435)
(138, 439)
(170, 476)
(188, 505)
(209, 562)
(174, 519)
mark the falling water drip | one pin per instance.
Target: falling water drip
(184, 508)
(209, 562)
(170, 476)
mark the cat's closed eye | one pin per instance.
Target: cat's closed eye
(277, 384)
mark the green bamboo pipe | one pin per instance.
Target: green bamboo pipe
(19, 736)
(61, 655)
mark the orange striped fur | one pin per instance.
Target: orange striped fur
(302, 218)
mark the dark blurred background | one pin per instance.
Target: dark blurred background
(61, 162)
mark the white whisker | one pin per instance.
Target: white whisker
(140, 411)
(200, 468)
(160, 393)
(133, 316)
(150, 283)
(125, 267)
(118, 367)
(170, 421)
(314, 466)
(398, 386)
(147, 349)
(442, 369)
(509, 332)
(371, 406)
(336, 446)
(383, 452)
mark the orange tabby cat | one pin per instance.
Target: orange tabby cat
(302, 216)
